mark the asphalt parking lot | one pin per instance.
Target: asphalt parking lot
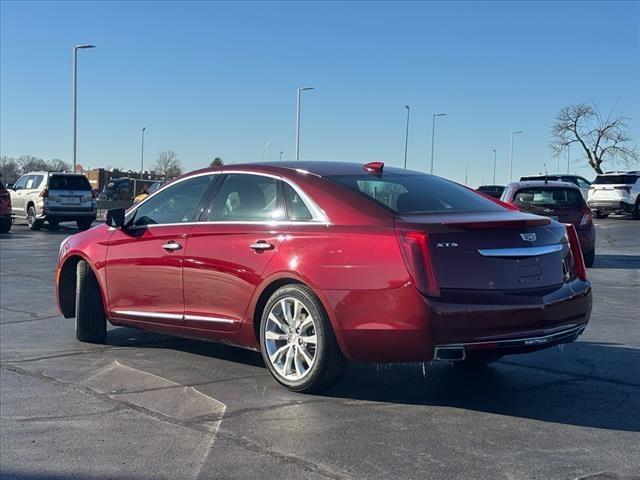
(150, 406)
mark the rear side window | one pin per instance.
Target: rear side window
(34, 181)
(616, 180)
(69, 182)
(176, 204)
(296, 208)
(246, 198)
(552, 197)
(415, 193)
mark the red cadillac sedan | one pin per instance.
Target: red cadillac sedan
(319, 263)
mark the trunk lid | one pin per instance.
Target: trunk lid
(506, 250)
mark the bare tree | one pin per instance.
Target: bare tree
(216, 162)
(9, 169)
(603, 139)
(57, 165)
(29, 163)
(168, 165)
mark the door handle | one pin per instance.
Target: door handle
(261, 245)
(171, 246)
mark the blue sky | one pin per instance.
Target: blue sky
(218, 79)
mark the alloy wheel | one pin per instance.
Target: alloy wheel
(290, 338)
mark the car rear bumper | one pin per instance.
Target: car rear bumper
(62, 213)
(610, 206)
(401, 325)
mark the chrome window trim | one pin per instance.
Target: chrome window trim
(172, 316)
(319, 216)
(520, 252)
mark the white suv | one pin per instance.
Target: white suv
(55, 197)
(615, 192)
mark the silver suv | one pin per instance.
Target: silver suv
(615, 192)
(53, 197)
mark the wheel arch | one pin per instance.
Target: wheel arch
(66, 284)
(273, 283)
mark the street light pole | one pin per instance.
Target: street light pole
(301, 89)
(142, 154)
(466, 175)
(406, 137)
(281, 155)
(494, 166)
(513, 134)
(568, 156)
(74, 99)
(433, 136)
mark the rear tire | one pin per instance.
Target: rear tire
(288, 366)
(84, 223)
(589, 258)
(636, 209)
(5, 225)
(91, 322)
(33, 223)
(477, 361)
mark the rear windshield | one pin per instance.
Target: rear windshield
(552, 197)
(616, 179)
(415, 193)
(69, 182)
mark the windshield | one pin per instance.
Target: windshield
(548, 197)
(68, 182)
(616, 179)
(416, 193)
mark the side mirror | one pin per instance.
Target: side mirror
(115, 217)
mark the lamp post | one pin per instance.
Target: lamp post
(406, 137)
(301, 89)
(466, 175)
(568, 156)
(513, 134)
(281, 155)
(494, 166)
(74, 99)
(433, 136)
(142, 153)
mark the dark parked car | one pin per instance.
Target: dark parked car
(5, 209)
(494, 191)
(560, 201)
(318, 263)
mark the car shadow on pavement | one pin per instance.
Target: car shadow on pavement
(620, 262)
(588, 384)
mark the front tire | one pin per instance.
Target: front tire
(91, 322)
(84, 223)
(589, 258)
(5, 225)
(297, 342)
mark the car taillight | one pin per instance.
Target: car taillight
(417, 257)
(579, 269)
(587, 216)
(44, 193)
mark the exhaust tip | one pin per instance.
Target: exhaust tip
(450, 354)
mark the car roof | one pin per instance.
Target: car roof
(549, 175)
(54, 173)
(321, 168)
(630, 172)
(542, 183)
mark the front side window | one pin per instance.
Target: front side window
(583, 183)
(177, 204)
(246, 198)
(21, 183)
(416, 193)
(548, 197)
